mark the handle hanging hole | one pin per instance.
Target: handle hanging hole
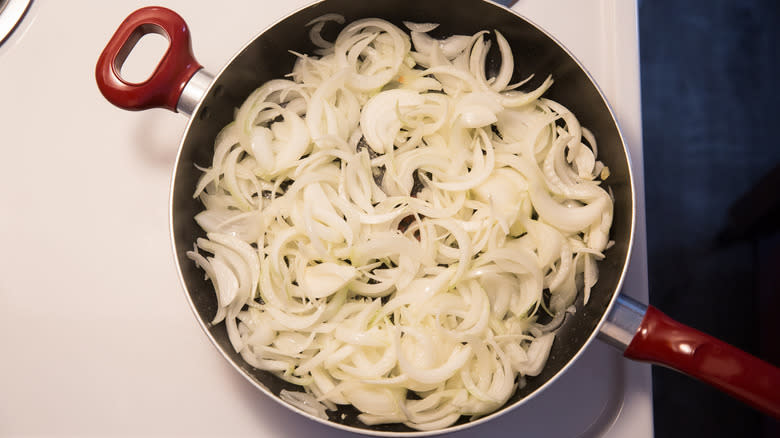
(141, 55)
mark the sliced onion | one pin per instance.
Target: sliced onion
(381, 226)
(420, 27)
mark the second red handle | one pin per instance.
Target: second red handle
(664, 341)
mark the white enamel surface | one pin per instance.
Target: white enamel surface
(11, 12)
(96, 335)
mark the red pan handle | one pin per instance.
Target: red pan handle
(165, 85)
(664, 341)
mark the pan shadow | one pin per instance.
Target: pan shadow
(156, 137)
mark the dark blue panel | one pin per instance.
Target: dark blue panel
(710, 96)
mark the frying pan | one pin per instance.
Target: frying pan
(180, 84)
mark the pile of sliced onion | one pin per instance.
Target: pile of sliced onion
(381, 225)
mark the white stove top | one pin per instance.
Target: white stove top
(96, 334)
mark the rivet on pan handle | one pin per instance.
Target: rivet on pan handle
(170, 76)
